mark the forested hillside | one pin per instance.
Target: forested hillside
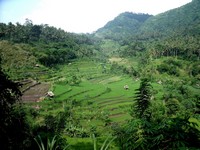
(25, 46)
(133, 84)
(181, 21)
(124, 25)
(175, 32)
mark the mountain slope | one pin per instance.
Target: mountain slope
(126, 24)
(17, 59)
(178, 21)
(182, 19)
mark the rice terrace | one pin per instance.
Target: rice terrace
(97, 97)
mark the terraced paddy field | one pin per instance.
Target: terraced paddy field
(96, 96)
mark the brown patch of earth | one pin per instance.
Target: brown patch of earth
(35, 92)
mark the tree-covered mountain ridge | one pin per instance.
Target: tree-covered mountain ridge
(125, 24)
(185, 19)
(181, 20)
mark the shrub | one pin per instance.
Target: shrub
(195, 70)
(169, 69)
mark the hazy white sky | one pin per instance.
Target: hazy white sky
(79, 16)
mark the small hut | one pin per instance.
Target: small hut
(50, 94)
(159, 82)
(126, 87)
(37, 65)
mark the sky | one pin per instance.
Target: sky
(79, 16)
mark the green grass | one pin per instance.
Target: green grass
(88, 144)
(121, 118)
(80, 143)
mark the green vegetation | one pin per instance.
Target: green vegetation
(124, 25)
(133, 84)
(14, 127)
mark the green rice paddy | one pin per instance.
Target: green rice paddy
(98, 94)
